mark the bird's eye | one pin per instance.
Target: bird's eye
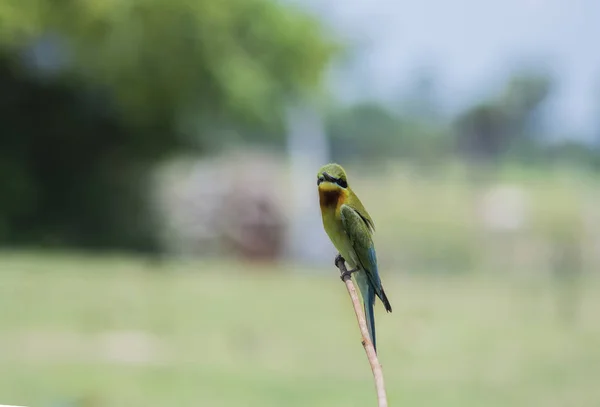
(342, 183)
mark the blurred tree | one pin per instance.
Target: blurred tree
(482, 134)
(95, 92)
(572, 153)
(372, 131)
(368, 129)
(489, 130)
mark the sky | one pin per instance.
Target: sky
(473, 46)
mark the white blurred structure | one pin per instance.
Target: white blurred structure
(226, 205)
(504, 208)
(308, 151)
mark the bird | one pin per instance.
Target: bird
(350, 229)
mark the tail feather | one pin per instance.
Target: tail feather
(369, 302)
(368, 294)
(386, 302)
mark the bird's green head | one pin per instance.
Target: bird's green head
(332, 174)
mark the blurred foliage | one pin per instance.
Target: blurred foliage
(506, 126)
(95, 92)
(240, 57)
(489, 130)
(373, 131)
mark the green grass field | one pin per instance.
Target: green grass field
(128, 333)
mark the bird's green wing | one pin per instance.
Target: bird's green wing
(357, 205)
(358, 230)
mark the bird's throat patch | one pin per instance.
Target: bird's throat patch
(329, 197)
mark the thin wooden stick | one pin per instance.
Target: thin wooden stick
(366, 338)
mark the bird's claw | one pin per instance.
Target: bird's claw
(339, 260)
(340, 263)
(347, 274)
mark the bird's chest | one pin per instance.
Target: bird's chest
(332, 224)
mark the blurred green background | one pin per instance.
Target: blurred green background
(160, 237)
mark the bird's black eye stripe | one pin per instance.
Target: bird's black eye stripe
(326, 177)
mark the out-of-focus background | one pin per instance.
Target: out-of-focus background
(159, 223)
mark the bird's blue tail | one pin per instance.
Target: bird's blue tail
(368, 294)
(369, 302)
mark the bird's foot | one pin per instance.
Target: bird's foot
(347, 274)
(340, 263)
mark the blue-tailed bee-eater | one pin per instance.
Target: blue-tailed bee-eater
(350, 229)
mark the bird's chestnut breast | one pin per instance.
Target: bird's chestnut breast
(328, 198)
